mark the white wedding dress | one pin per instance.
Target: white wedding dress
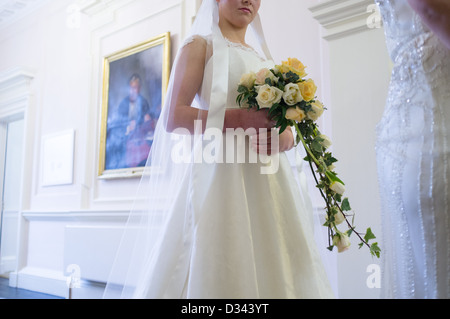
(234, 232)
(414, 160)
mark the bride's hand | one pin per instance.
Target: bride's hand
(266, 143)
(255, 119)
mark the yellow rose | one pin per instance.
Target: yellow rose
(293, 65)
(295, 114)
(308, 89)
(268, 96)
(248, 80)
(316, 110)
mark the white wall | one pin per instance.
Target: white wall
(358, 69)
(78, 223)
(67, 64)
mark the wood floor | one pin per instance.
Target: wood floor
(7, 292)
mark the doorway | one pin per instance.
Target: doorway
(11, 159)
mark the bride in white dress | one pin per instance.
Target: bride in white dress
(207, 229)
(413, 153)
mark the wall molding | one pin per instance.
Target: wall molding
(91, 7)
(15, 92)
(104, 26)
(341, 18)
(87, 216)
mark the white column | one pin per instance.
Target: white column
(356, 76)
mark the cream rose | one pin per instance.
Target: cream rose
(338, 188)
(325, 141)
(248, 80)
(292, 94)
(308, 89)
(264, 74)
(276, 70)
(339, 218)
(268, 96)
(295, 114)
(316, 110)
(341, 241)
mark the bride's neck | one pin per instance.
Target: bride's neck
(236, 35)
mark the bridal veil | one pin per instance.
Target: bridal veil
(170, 158)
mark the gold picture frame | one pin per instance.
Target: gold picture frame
(134, 86)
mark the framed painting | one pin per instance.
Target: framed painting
(134, 85)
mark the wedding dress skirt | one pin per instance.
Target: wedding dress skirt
(236, 233)
(413, 154)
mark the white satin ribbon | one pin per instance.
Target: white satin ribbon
(257, 27)
(219, 86)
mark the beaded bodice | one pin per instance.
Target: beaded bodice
(401, 24)
(420, 75)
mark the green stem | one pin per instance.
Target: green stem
(310, 154)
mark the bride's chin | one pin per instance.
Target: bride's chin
(243, 22)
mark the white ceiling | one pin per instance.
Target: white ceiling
(11, 10)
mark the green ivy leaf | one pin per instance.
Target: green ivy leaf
(345, 206)
(316, 146)
(375, 250)
(369, 235)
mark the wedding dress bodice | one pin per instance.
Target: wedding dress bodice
(401, 24)
(242, 59)
(420, 75)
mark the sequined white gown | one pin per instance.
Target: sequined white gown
(413, 159)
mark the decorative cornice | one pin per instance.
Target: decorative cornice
(14, 77)
(340, 18)
(91, 7)
(14, 91)
(13, 10)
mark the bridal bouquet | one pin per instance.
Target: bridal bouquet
(290, 98)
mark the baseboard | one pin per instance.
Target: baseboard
(40, 280)
(55, 284)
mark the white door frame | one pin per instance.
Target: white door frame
(15, 104)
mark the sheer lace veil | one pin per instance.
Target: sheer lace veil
(169, 169)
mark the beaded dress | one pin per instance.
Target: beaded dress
(413, 159)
